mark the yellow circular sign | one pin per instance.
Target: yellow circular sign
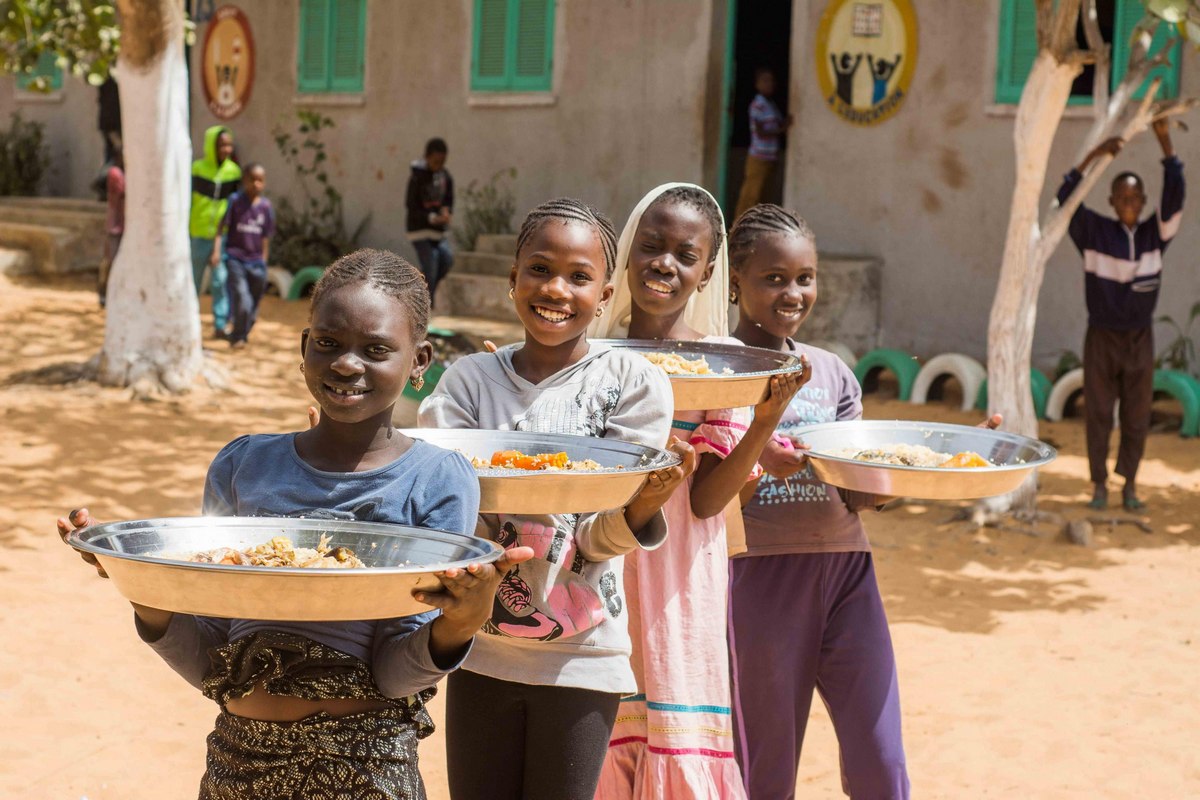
(866, 56)
(227, 62)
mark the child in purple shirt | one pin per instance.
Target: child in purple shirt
(248, 227)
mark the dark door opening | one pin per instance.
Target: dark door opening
(762, 38)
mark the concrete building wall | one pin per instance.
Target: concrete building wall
(627, 111)
(73, 140)
(927, 192)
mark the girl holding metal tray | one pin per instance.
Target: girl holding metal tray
(530, 712)
(335, 709)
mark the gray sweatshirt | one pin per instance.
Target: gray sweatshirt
(560, 619)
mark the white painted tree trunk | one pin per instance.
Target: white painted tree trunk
(1014, 309)
(152, 335)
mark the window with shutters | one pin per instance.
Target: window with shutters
(332, 47)
(47, 70)
(1118, 20)
(512, 48)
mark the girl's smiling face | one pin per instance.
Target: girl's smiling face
(359, 352)
(777, 283)
(559, 282)
(670, 259)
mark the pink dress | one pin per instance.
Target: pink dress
(674, 739)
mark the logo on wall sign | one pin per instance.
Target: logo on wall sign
(227, 62)
(866, 56)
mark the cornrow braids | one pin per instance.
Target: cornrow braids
(567, 209)
(701, 201)
(385, 271)
(762, 220)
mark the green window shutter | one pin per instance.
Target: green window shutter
(348, 39)
(1017, 48)
(312, 69)
(533, 45)
(1129, 14)
(489, 58)
(47, 68)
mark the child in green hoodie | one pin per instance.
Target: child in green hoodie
(214, 178)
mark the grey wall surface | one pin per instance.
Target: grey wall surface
(627, 112)
(72, 140)
(928, 191)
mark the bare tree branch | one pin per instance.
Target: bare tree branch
(1103, 55)
(1062, 31)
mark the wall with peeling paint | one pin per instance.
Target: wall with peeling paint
(927, 192)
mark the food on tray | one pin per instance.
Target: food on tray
(549, 462)
(281, 552)
(675, 364)
(913, 455)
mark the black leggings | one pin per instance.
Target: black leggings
(514, 741)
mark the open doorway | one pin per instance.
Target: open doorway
(762, 34)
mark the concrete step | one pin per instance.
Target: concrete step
(54, 203)
(477, 263)
(53, 249)
(504, 244)
(89, 223)
(466, 295)
(15, 262)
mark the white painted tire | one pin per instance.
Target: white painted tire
(279, 281)
(838, 349)
(969, 373)
(1064, 387)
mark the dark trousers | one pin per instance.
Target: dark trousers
(515, 741)
(826, 633)
(1117, 365)
(246, 282)
(436, 259)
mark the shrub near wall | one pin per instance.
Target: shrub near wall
(23, 158)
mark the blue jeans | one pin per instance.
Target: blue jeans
(201, 251)
(247, 283)
(436, 260)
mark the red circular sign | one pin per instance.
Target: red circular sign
(227, 62)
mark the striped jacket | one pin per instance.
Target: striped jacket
(1123, 266)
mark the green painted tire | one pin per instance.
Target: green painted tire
(1186, 390)
(1039, 385)
(901, 364)
(303, 280)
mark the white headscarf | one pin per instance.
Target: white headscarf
(707, 312)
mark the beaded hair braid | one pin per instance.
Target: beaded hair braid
(568, 209)
(699, 200)
(387, 272)
(762, 220)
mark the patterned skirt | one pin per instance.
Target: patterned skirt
(369, 756)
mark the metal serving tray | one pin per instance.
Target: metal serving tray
(752, 368)
(399, 560)
(517, 491)
(1014, 456)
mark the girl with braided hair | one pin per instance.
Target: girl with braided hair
(674, 738)
(828, 630)
(324, 710)
(530, 714)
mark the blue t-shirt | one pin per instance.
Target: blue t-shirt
(262, 475)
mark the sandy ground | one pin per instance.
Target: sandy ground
(1029, 667)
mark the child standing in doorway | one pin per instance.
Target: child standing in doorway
(529, 715)
(317, 711)
(248, 227)
(674, 738)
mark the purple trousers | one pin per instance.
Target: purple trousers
(813, 621)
